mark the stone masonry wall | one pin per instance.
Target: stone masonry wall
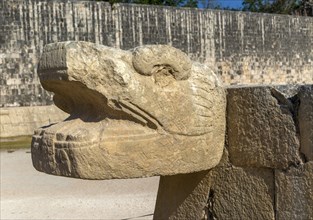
(20, 121)
(244, 48)
(267, 168)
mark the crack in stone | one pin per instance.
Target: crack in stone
(210, 207)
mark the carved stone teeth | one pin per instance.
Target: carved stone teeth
(60, 137)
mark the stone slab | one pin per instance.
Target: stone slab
(261, 128)
(241, 193)
(294, 193)
(305, 120)
(182, 196)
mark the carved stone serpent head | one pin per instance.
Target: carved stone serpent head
(144, 112)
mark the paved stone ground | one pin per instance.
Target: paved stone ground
(29, 194)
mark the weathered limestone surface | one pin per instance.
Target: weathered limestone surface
(294, 193)
(305, 120)
(241, 193)
(182, 196)
(133, 113)
(261, 128)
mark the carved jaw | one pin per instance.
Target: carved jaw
(129, 118)
(113, 149)
(69, 148)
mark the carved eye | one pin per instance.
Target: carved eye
(163, 75)
(151, 59)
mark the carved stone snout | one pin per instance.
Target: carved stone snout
(145, 112)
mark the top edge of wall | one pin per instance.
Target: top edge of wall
(203, 9)
(58, 1)
(116, 5)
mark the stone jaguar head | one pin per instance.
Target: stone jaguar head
(144, 112)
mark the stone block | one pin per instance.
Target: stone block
(182, 196)
(145, 112)
(305, 120)
(261, 128)
(294, 193)
(241, 193)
